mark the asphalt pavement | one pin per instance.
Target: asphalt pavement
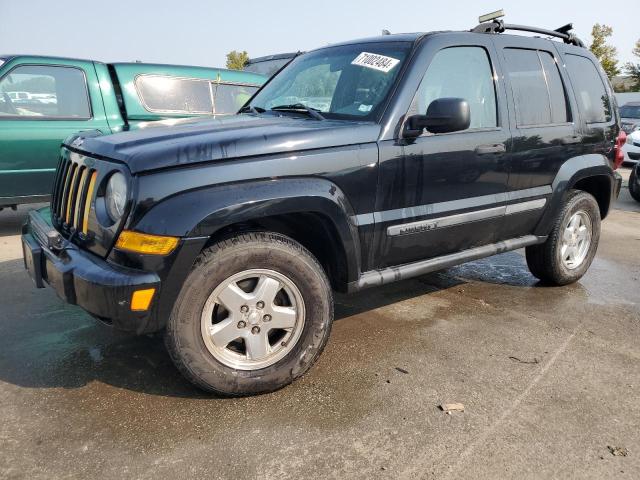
(549, 379)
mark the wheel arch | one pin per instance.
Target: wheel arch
(312, 211)
(591, 173)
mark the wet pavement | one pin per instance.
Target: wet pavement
(550, 378)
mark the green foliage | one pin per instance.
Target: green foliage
(633, 69)
(237, 60)
(604, 52)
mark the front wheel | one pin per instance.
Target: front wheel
(569, 250)
(253, 315)
(634, 188)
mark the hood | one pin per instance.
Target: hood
(237, 136)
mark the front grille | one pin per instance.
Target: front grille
(73, 190)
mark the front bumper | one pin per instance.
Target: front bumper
(82, 278)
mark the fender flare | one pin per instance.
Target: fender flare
(205, 211)
(570, 173)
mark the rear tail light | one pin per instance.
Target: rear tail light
(618, 153)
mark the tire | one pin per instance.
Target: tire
(634, 188)
(251, 262)
(546, 261)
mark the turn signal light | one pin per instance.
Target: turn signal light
(141, 299)
(145, 243)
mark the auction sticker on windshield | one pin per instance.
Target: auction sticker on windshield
(375, 61)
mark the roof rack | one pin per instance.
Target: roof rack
(497, 25)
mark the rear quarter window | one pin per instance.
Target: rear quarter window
(589, 89)
(164, 94)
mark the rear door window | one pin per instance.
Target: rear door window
(537, 87)
(42, 92)
(589, 89)
(164, 94)
(230, 98)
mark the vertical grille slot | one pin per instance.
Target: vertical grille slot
(82, 183)
(55, 199)
(65, 191)
(87, 202)
(60, 187)
(70, 193)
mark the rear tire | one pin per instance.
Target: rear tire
(253, 315)
(572, 244)
(634, 188)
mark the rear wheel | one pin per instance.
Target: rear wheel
(634, 188)
(571, 246)
(254, 314)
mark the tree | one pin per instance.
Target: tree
(604, 52)
(237, 60)
(633, 69)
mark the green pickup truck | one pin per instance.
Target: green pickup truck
(43, 100)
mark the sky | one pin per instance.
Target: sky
(201, 32)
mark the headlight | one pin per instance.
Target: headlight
(116, 196)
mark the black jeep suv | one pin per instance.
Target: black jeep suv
(358, 164)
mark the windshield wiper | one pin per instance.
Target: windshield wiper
(252, 109)
(298, 107)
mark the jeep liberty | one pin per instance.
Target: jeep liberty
(358, 164)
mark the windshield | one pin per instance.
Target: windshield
(630, 111)
(343, 82)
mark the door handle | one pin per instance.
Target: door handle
(490, 149)
(571, 139)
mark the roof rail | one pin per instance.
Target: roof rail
(498, 26)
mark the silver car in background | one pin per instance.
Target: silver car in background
(630, 118)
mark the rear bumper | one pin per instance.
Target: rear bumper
(82, 278)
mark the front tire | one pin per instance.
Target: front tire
(572, 244)
(634, 188)
(254, 314)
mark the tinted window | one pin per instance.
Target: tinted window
(557, 97)
(463, 72)
(44, 92)
(589, 89)
(230, 98)
(175, 95)
(537, 87)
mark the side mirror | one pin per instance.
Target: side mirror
(443, 115)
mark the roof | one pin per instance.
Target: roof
(394, 37)
(50, 57)
(277, 56)
(135, 68)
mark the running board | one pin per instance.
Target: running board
(375, 278)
